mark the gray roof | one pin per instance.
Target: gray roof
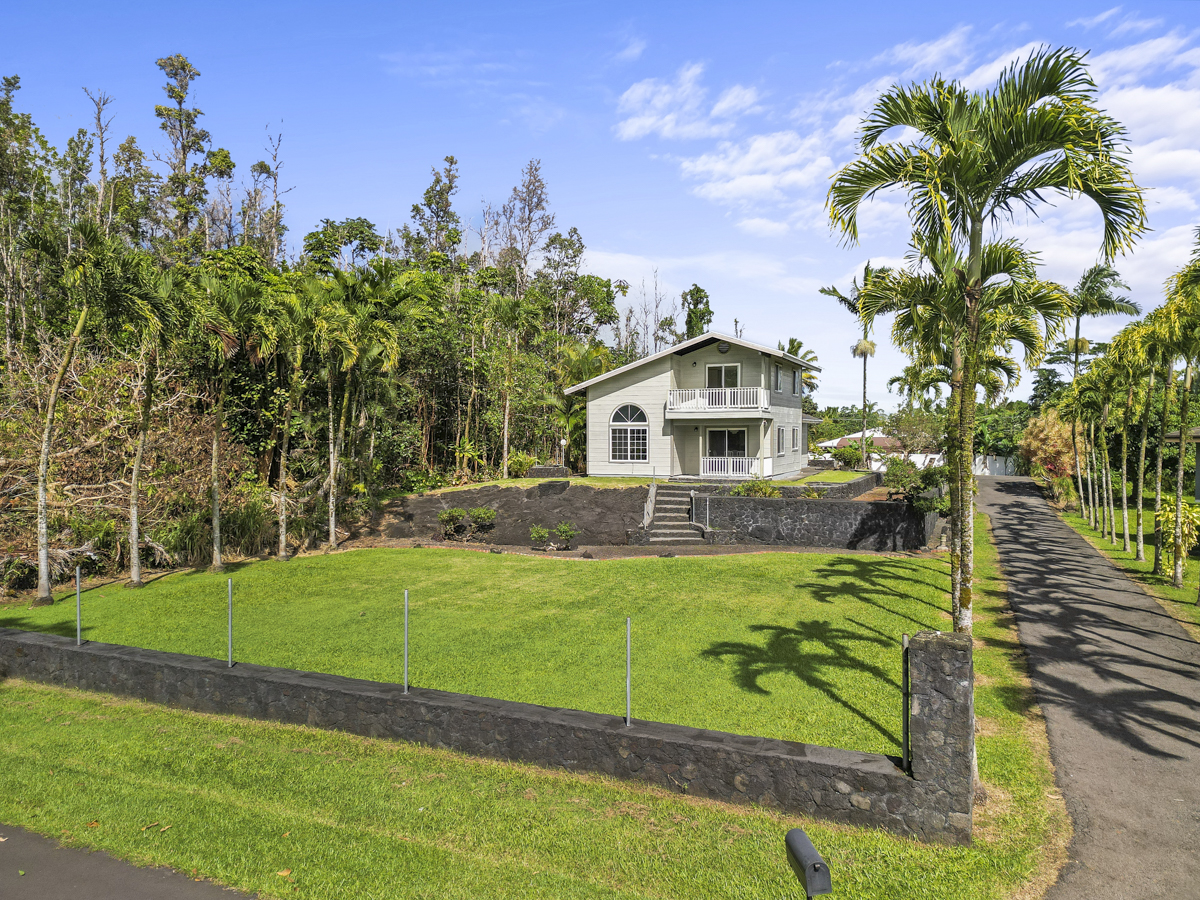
(696, 343)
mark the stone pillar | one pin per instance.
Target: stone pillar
(941, 724)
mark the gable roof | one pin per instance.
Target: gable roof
(696, 343)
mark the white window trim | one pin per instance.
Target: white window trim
(795, 382)
(795, 440)
(629, 427)
(780, 441)
(708, 366)
(778, 383)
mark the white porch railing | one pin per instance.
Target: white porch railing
(729, 466)
(716, 398)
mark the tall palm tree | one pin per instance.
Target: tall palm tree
(229, 317)
(808, 378)
(864, 348)
(156, 332)
(1015, 308)
(1094, 295)
(970, 159)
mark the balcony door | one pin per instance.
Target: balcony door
(723, 376)
(727, 442)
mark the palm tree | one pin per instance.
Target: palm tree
(96, 272)
(156, 333)
(1094, 296)
(864, 348)
(968, 160)
(808, 378)
(1015, 307)
(228, 317)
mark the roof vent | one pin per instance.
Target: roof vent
(723, 347)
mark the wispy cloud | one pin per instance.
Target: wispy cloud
(1093, 21)
(633, 50)
(679, 109)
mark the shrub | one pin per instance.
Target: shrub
(808, 492)
(482, 518)
(759, 487)
(539, 536)
(1166, 524)
(565, 532)
(1046, 443)
(1063, 494)
(848, 457)
(925, 505)
(934, 476)
(451, 521)
(520, 463)
(901, 474)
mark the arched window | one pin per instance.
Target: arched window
(628, 434)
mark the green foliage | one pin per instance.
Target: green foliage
(482, 519)
(1191, 527)
(1063, 494)
(902, 474)
(519, 463)
(934, 476)
(850, 457)
(808, 492)
(757, 487)
(451, 521)
(539, 535)
(565, 532)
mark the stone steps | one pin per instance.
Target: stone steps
(672, 517)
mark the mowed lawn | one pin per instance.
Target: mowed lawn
(804, 647)
(349, 818)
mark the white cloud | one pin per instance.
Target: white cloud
(762, 168)
(948, 52)
(679, 109)
(1135, 25)
(1095, 20)
(986, 74)
(766, 228)
(1125, 65)
(633, 50)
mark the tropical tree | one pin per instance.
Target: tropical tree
(1094, 295)
(968, 160)
(808, 377)
(864, 348)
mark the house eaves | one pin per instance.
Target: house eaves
(696, 343)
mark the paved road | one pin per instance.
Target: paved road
(65, 873)
(1119, 682)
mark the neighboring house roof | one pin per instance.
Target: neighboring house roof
(878, 438)
(688, 346)
(1172, 437)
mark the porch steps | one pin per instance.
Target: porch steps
(672, 517)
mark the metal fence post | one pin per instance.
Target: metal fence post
(231, 623)
(406, 640)
(78, 619)
(904, 761)
(628, 673)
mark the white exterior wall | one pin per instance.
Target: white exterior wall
(645, 386)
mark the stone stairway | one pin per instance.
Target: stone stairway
(672, 516)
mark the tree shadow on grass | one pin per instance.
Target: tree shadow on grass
(879, 581)
(783, 653)
(22, 623)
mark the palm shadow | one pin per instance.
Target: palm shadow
(783, 653)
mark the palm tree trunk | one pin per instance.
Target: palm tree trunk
(1181, 551)
(1168, 391)
(45, 596)
(218, 423)
(1140, 487)
(866, 458)
(283, 459)
(963, 623)
(1124, 468)
(334, 464)
(332, 460)
(955, 501)
(135, 551)
(1091, 451)
(1083, 510)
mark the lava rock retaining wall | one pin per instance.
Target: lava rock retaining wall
(933, 803)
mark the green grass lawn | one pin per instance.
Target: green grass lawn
(797, 646)
(831, 476)
(359, 819)
(596, 481)
(1180, 602)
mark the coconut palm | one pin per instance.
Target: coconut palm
(864, 348)
(795, 347)
(970, 159)
(1094, 295)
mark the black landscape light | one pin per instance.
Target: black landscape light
(807, 863)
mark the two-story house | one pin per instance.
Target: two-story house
(712, 407)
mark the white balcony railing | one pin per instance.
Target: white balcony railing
(729, 466)
(717, 399)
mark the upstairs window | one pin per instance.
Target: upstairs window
(779, 378)
(796, 382)
(629, 435)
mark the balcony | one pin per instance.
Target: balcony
(729, 466)
(708, 400)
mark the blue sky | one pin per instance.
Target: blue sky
(695, 139)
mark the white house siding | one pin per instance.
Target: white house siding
(647, 387)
